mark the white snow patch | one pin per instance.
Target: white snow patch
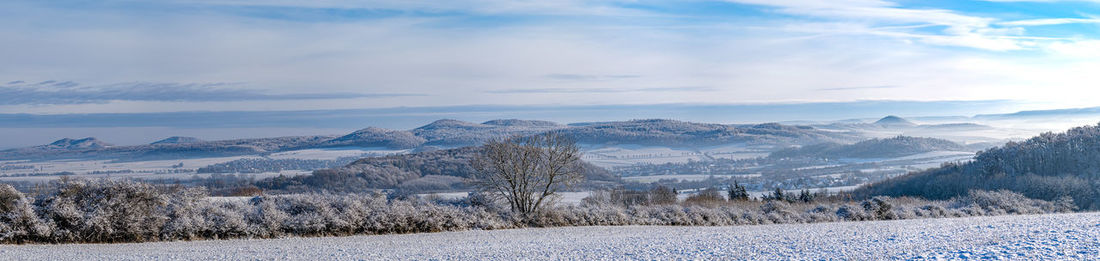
(1043, 237)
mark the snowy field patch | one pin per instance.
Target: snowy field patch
(1045, 237)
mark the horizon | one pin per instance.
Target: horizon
(123, 130)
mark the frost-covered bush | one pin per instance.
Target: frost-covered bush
(880, 208)
(1009, 202)
(853, 213)
(106, 211)
(81, 211)
(18, 221)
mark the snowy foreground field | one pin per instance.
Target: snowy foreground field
(1058, 236)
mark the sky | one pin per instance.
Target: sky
(113, 57)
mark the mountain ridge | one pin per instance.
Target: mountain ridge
(449, 133)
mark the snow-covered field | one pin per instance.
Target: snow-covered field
(1043, 237)
(683, 177)
(163, 169)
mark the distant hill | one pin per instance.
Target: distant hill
(1043, 113)
(76, 144)
(874, 148)
(441, 170)
(177, 140)
(680, 133)
(956, 126)
(898, 123)
(523, 123)
(455, 133)
(90, 149)
(377, 137)
(447, 133)
(1048, 167)
(894, 121)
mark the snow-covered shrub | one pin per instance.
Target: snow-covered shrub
(779, 211)
(18, 221)
(106, 211)
(265, 219)
(880, 208)
(821, 213)
(184, 210)
(485, 200)
(853, 213)
(708, 197)
(1009, 202)
(932, 211)
(225, 220)
(125, 211)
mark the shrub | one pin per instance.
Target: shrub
(106, 211)
(880, 208)
(80, 211)
(1009, 202)
(707, 197)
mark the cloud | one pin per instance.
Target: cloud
(1086, 49)
(603, 90)
(291, 9)
(467, 52)
(858, 88)
(590, 77)
(883, 18)
(1051, 21)
(68, 92)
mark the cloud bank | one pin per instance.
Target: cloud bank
(67, 92)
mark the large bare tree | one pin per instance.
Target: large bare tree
(526, 171)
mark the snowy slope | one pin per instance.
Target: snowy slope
(1060, 236)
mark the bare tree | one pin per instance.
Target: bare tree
(527, 170)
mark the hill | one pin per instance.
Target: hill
(93, 149)
(522, 123)
(440, 170)
(377, 137)
(455, 133)
(873, 148)
(447, 133)
(894, 121)
(177, 140)
(679, 133)
(76, 144)
(1049, 166)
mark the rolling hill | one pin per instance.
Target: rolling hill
(873, 148)
(444, 134)
(1050, 166)
(441, 170)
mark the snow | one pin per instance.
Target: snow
(334, 153)
(684, 177)
(570, 197)
(1045, 237)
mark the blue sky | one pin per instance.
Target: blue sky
(114, 56)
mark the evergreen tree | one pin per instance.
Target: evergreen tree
(738, 192)
(806, 196)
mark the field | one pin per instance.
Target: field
(164, 169)
(1057, 236)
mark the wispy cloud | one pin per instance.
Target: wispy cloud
(605, 90)
(68, 92)
(302, 54)
(858, 88)
(1051, 21)
(883, 17)
(590, 77)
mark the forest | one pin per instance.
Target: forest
(1050, 166)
